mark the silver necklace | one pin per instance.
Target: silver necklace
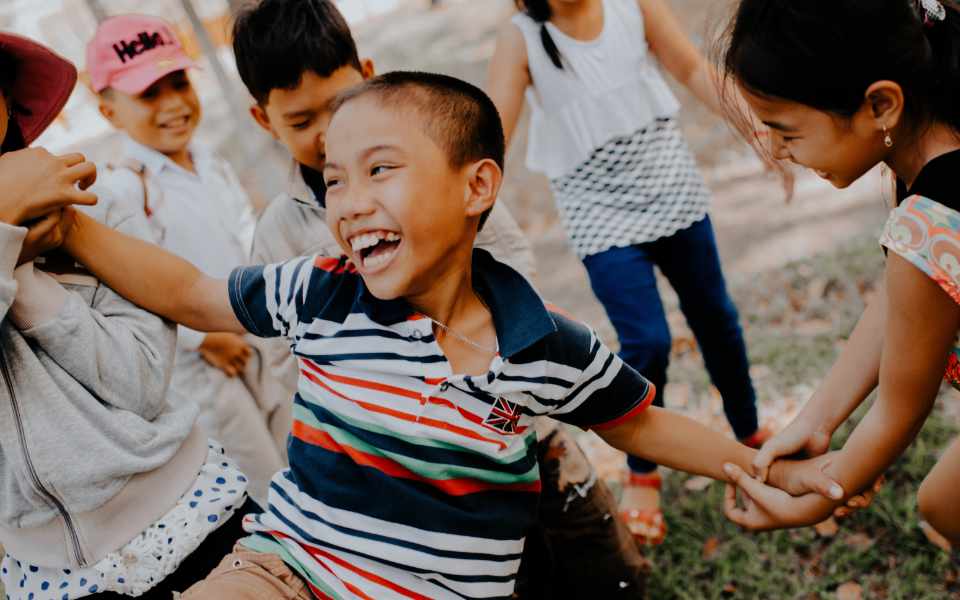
(462, 337)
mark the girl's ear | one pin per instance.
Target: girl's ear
(884, 103)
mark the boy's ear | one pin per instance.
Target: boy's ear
(107, 110)
(262, 118)
(367, 69)
(483, 185)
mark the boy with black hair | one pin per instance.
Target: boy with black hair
(423, 363)
(295, 56)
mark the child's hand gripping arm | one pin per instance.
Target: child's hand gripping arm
(151, 277)
(921, 325)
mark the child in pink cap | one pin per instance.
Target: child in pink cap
(108, 485)
(197, 209)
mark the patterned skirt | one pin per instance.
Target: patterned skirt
(634, 189)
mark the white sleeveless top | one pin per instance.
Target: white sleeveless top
(609, 87)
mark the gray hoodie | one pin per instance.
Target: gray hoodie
(92, 450)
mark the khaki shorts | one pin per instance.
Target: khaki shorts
(248, 575)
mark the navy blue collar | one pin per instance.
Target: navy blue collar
(519, 315)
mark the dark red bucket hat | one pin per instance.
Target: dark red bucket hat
(43, 83)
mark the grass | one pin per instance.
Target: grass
(881, 549)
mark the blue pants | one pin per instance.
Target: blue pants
(623, 280)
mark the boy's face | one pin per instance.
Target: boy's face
(298, 117)
(162, 117)
(402, 215)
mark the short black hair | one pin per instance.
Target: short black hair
(458, 116)
(276, 41)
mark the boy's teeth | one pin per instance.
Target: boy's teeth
(368, 240)
(372, 262)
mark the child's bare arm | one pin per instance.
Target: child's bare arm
(678, 55)
(673, 440)
(151, 277)
(676, 441)
(851, 379)
(508, 77)
(921, 325)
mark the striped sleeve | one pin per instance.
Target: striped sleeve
(607, 392)
(269, 299)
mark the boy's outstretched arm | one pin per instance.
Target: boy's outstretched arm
(676, 441)
(151, 277)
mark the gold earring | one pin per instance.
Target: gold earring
(887, 139)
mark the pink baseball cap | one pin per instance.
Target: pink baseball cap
(43, 82)
(131, 52)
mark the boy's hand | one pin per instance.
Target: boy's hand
(802, 435)
(861, 500)
(226, 351)
(765, 507)
(45, 234)
(34, 182)
(806, 477)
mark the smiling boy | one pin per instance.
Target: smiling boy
(423, 363)
(196, 208)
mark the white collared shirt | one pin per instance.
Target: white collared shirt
(204, 217)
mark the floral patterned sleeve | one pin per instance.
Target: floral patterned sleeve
(927, 234)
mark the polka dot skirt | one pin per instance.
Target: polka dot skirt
(146, 560)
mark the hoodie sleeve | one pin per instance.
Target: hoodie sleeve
(11, 241)
(121, 353)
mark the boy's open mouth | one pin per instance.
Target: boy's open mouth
(177, 123)
(375, 248)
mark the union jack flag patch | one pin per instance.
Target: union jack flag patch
(504, 416)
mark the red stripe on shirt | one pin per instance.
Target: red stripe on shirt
(399, 391)
(434, 423)
(332, 265)
(636, 410)
(452, 487)
(317, 552)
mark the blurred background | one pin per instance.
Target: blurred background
(799, 271)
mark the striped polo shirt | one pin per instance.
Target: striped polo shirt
(407, 480)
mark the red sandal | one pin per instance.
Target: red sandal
(647, 525)
(758, 439)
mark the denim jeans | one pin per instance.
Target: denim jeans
(624, 281)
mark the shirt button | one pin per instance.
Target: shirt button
(417, 334)
(444, 386)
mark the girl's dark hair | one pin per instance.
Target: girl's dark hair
(539, 11)
(8, 74)
(826, 53)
